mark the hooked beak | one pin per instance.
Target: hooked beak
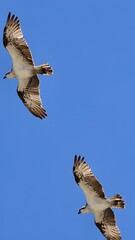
(79, 211)
(4, 77)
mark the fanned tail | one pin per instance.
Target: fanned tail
(44, 69)
(117, 201)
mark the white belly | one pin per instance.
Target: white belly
(23, 74)
(21, 67)
(98, 204)
(23, 71)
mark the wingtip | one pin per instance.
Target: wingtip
(43, 116)
(11, 17)
(9, 14)
(40, 114)
(77, 161)
(78, 158)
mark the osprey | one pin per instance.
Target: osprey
(23, 67)
(97, 202)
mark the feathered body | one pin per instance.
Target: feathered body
(97, 202)
(23, 67)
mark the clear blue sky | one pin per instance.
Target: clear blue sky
(90, 102)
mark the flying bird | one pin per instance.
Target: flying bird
(97, 203)
(23, 67)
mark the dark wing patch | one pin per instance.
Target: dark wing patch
(23, 48)
(76, 162)
(12, 29)
(107, 225)
(82, 172)
(13, 36)
(31, 98)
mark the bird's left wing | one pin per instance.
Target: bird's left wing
(31, 97)
(86, 179)
(106, 223)
(14, 42)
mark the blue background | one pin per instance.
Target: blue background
(90, 101)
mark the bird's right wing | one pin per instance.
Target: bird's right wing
(14, 42)
(86, 180)
(106, 223)
(31, 97)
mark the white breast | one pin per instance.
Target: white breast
(23, 74)
(23, 70)
(98, 204)
(21, 67)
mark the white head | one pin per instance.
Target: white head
(84, 209)
(10, 74)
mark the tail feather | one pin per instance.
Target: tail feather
(117, 201)
(44, 69)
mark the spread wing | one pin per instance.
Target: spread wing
(31, 97)
(106, 223)
(86, 180)
(14, 42)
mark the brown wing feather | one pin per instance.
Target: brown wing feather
(106, 223)
(31, 98)
(83, 173)
(13, 39)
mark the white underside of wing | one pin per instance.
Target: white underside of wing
(22, 69)
(107, 224)
(15, 54)
(98, 216)
(22, 84)
(94, 201)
